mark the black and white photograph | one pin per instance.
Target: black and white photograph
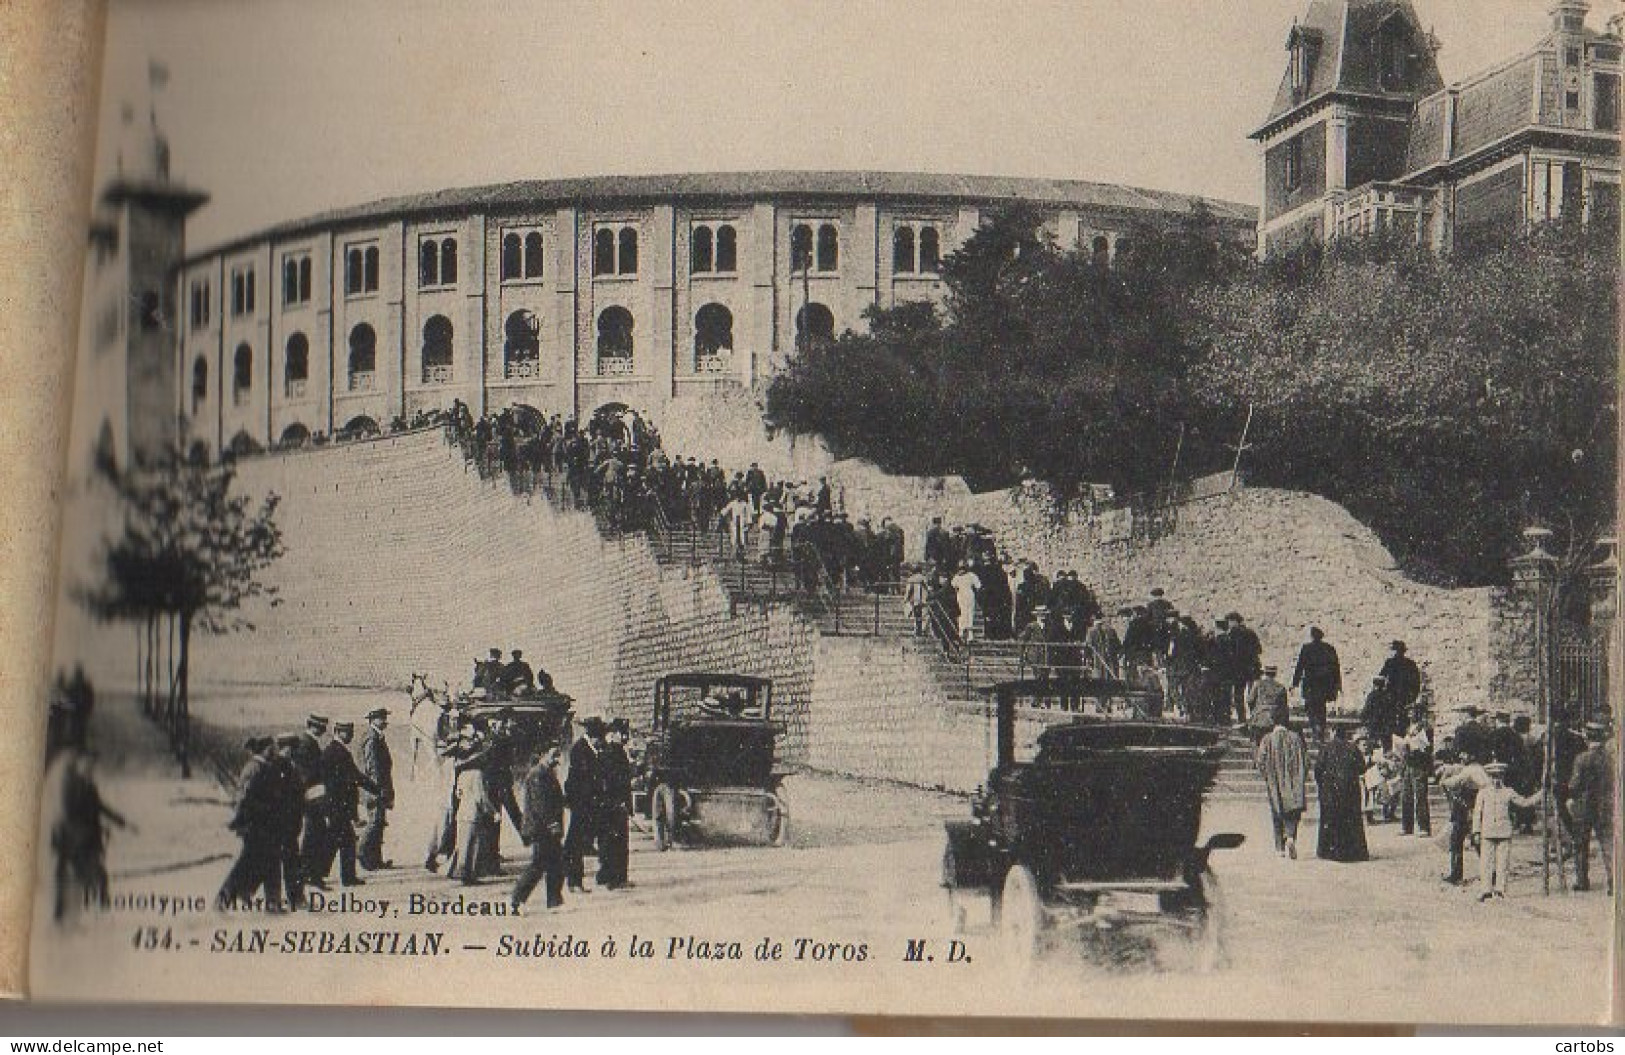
(1087, 511)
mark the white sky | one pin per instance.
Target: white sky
(281, 108)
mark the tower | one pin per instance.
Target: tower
(126, 381)
(1340, 119)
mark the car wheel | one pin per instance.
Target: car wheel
(1021, 916)
(663, 811)
(779, 828)
(1197, 947)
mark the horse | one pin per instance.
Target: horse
(424, 714)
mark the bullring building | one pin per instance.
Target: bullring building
(556, 296)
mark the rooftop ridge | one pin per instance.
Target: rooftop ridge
(746, 183)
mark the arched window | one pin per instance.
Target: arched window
(829, 248)
(370, 275)
(815, 322)
(801, 247)
(902, 250)
(242, 374)
(296, 368)
(533, 255)
(628, 262)
(701, 257)
(437, 350)
(727, 249)
(200, 382)
(448, 262)
(294, 436)
(603, 252)
(615, 341)
(1100, 251)
(713, 337)
(363, 357)
(513, 263)
(428, 264)
(522, 349)
(930, 250)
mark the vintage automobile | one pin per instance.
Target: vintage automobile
(708, 769)
(1088, 828)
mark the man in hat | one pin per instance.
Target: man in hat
(1245, 654)
(379, 767)
(1591, 805)
(1404, 682)
(1492, 824)
(254, 821)
(488, 671)
(614, 806)
(1461, 782)
(343, 781)
(1283, 761)
(517, 677)
(306, 757)
(581, 794)
(543, 829)
(1319, 677)
(1267, 704)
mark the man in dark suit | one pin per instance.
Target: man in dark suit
(1591, 804)
(343, 781)
(1404, 682)
(305, 755)
(258, 864)
(614, 806)
(581, 794)
(518, 679)
(1319, 676)
(379, 767)
(543, 827)
(937, 547)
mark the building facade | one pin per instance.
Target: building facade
(1364, 136)
(565, 296)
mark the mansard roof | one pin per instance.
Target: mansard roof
(925, 187)
(1339, 35)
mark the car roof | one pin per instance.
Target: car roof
(706, 678)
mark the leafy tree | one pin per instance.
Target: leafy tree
(1045, 361)
(1447, 401)
(191, 551)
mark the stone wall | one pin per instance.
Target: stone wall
(399, 561)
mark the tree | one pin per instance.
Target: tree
(1045, 361)
(1447, 401)
(190, 551)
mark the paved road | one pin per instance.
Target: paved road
(1304, 937)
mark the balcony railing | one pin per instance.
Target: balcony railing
(518, 369)
(614, 366)
(361, 381)
(437, 375)
(240, 394)
(1379, 208)
(711, 364)
(296, 388)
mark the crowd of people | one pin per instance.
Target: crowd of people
(297, 810)
(616, 467)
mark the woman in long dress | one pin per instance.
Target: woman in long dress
(965, 585)
(1340, 776)
(475, 810)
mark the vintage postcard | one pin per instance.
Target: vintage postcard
(1093, 510)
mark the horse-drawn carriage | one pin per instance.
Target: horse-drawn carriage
(709, 768)
(537, 720)
(1090, 830)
